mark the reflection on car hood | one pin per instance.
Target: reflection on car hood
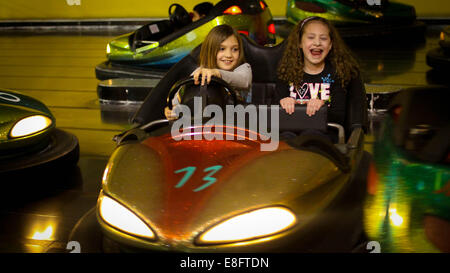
(178, 188)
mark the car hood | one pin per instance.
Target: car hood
(15, 106)
(146, 177)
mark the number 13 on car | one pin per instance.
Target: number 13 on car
(210, 171)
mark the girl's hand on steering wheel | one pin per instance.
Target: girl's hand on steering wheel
(313, 105)
(288, 104)
(206, 73)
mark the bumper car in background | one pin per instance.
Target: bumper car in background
(149, 51)
(359, 18)
(439, 59)
(28, 137)
(407, 208)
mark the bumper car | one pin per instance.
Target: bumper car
(439, 58)
(208, 194)
(359, 18)
(28, 138)
(149, 51)
(407, 208)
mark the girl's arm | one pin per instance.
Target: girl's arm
(241, 77)
(282, 96)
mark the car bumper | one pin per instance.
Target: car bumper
(57, 146)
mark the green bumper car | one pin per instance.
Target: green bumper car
(359, 18)
(408, 205)
(152, 49)
(28, 137)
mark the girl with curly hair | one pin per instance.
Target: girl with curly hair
(317, 69)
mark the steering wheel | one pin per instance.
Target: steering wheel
(231, 93)
(179, 17)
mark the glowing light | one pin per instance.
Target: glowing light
(122, 218)
(30, 125)
(380, 67)
(396, 219)
(233, 10)
(243, 32)
(271, 28)
(261, 3)
(250, 225)
(442, 36)
(47, 234)
(108, 49)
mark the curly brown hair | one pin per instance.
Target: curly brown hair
(290, 68)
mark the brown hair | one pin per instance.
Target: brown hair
(211, 45)
(290, 68)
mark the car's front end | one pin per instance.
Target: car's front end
(159, 194)
(24, 124)
(28, 133)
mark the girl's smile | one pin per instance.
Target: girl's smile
(228, 54)
(315, 44)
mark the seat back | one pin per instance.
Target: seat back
(152, 32)
(264, 62)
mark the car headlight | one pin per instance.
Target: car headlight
(30, 125)
(122, 218)
(249, 225)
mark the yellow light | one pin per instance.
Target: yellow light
(442, 36)
(30, 125)
(122, 218)
(108, 49)
(47, 234)
(250, 225)
(396, 219)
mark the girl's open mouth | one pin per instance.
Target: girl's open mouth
(316, 52)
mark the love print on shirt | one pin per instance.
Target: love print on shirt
(310, 91)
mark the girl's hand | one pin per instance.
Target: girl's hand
(170, 114)
(288, 104)
(206, 73)
(312, 106)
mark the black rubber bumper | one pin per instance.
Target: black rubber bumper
(63, 149)
(108, 70)
(413, 30)
(438, 59)
(125, 90)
